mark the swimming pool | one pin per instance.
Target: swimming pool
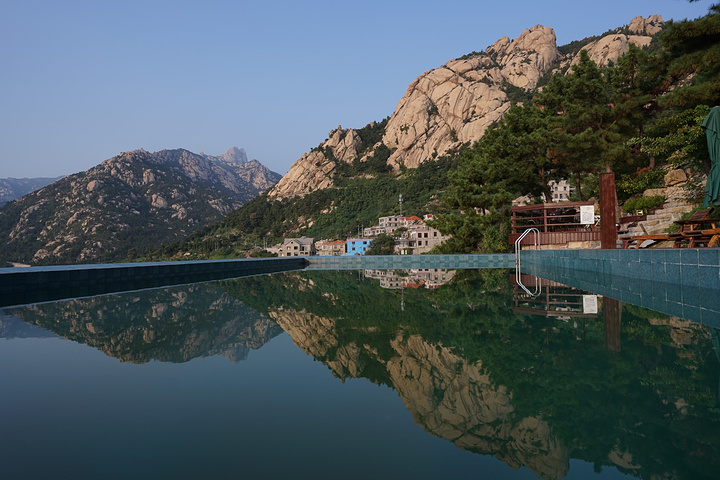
(320, 374)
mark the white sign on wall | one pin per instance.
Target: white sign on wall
(587, 214)
(590, 304)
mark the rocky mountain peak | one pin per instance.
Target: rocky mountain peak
(646, 26)
(234, 155)
(454, 104)
(609, 48)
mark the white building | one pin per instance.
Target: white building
(297, 247)
(561, 190)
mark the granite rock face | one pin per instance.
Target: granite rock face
(454, 104)
(609, 48)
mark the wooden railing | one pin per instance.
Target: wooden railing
(558, 223)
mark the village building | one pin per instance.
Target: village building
(433, 277)
(374, 231)
(276, 249)
(392, 222)
(388, 278)
(422, 239)
(410, 221)
(357, 246)
(328, 248)
(297, 247)
(561, 190)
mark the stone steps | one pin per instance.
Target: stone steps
(661, 219)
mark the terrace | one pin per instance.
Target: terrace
(559, 224)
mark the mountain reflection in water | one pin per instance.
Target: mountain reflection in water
(474, 362)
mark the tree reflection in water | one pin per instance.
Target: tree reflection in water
(627, 388)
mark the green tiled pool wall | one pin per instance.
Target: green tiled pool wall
(408, 262)
(35, 284)
(679, 282)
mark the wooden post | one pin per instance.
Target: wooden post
(608, 228)
(612, 313)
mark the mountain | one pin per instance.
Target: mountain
(356, 175)
(135, 200)
(14, 188)
(453, 105)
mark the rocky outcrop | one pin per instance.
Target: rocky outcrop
(651, 25)
(441, 110)
(609, 48)
(312, 172)
(456, 400)
(453, 105)
(134, 200)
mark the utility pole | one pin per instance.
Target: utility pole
(400, 201)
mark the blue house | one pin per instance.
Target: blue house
(357, 246)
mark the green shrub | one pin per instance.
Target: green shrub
(643, 203)
(637, 183)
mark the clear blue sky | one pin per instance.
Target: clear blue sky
(82, 81)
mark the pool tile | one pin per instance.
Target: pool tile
(689, 256)
(690, 295)
(709, 277)
(672, 273)
(675, 309)
(672, 256)
(709, 256)
(691, 313)
(709, 299)
(657, 272)
(689, 273)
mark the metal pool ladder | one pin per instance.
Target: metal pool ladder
(538, 287)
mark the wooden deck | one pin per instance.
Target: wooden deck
(558, 223)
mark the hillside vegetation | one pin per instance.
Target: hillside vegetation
(630, 118)
(337, 212)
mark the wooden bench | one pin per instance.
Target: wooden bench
(637, 240)
(694, 231)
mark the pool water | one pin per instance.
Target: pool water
(328, 374)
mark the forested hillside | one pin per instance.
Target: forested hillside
(632, 118)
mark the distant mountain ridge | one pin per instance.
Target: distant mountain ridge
(131, 201)
(14, 188)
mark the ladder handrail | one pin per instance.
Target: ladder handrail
(518, 247)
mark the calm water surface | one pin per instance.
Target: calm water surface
(347, 375)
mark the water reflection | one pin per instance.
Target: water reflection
(532, 390)
(171, 325)
(474, 362)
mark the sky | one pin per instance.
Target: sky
(82, 81)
